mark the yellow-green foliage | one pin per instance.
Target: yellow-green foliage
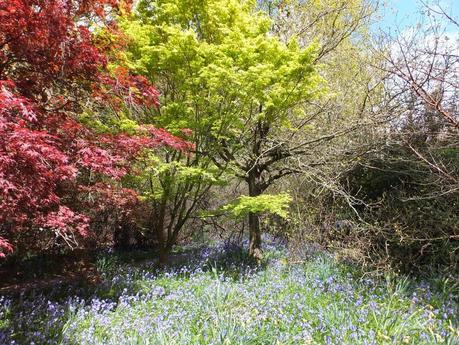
(107, 123)
(219, 71)
(171, 174)
(216, 63)
(270, 203)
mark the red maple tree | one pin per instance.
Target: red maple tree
(49, 64)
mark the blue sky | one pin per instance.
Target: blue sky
(406, 13)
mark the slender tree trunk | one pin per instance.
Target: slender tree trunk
(163, 247)
(161, 233)
(255, 250)
(163, 256)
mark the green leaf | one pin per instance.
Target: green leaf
(265, 203)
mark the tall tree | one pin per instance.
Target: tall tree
(48, 65)
(237, 87)
(341, 123)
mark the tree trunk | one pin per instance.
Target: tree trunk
(158, 220)
(255, 251)
(164, 253)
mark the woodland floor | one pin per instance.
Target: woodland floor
(214, 295)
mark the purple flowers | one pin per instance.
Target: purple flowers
(218, 297)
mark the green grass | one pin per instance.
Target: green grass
(318, 301)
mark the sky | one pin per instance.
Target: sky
(406, 13)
